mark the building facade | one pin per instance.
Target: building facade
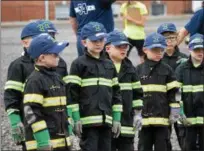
(31, 10)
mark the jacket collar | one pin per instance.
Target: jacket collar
(175, 54)
(48, 71)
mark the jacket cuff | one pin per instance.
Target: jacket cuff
(42, 138)
(14, 119)
(137, 104)
(174, 105)
(76, 116)
(117, 116)
(39, 126)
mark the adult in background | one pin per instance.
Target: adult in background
(134, 17)
(84, 11)
(195, 25)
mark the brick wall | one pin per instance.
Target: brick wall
(24, 10)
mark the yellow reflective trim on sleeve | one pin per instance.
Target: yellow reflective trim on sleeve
(37, 126)
(106, 82)
(174, 105)
(109, 119)
(193, 88)
(155, 121)
(115, 81)
(10, 111)
(127, 130)
(54, 101)
(154, 88)
(15, 85)
(180, 84)
(137, 103)
(136, 85)
(173, 84)
(72, 79)
(117, 108)
(125, 86)
(56, 143)
(74, 107)
(33, 98)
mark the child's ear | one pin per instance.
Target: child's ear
(84, 43)
(145, 50)
(107, 48)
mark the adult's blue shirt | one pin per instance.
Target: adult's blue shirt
(196, 24)
(92, 10)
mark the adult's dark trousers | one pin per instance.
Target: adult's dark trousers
(194, 135)
(96, 139)
(153, 136)
(138, 44)
(80, 46)
(123, 144)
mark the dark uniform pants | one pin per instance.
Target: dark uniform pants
(191, 139)
(153, 136)
(96, 139)
(123, 144)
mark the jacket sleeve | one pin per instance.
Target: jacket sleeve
(172, 86)
(13, 91)
(137, 102)
(117, 107)
(73, 86)
(33, 105)
(179, 76)
(33, 112)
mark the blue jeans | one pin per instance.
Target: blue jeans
(80, 47)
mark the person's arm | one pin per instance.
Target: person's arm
(72, 18)
(106, 4)
(181, 35)
(33, 110)
(192, 26)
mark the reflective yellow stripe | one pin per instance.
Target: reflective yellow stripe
(175, 105)
(56, 143)
(74, 107)
(96, 81)
(14, 85)
(191, 88)
(125, 86)
(137, 103)
(10, 111)
(136, 85)
(117, 108)
(115, 81)
(33, 98)
(54, 101)
(96, 119)
(154, 88)
(155, 121)
(173, 84)
(127, 130)
(196, 120)
(180, 84)
(37, 126)
(72, 79)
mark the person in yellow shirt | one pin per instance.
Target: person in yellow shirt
(134, 26)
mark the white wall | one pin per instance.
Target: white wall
(196, 5)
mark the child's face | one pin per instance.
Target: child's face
(154, 54)
(171, 40)
(48, 60)
(198, 54)
(117, 52)
(94, 46)
(26, 42)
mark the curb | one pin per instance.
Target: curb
(118, 19)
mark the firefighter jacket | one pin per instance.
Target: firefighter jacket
(172, 61)
(44, 105)
(131, 92)
(93, 90)
(159, 87)
(18, 72)
(192, 91)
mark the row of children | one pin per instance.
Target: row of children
(105, 95)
